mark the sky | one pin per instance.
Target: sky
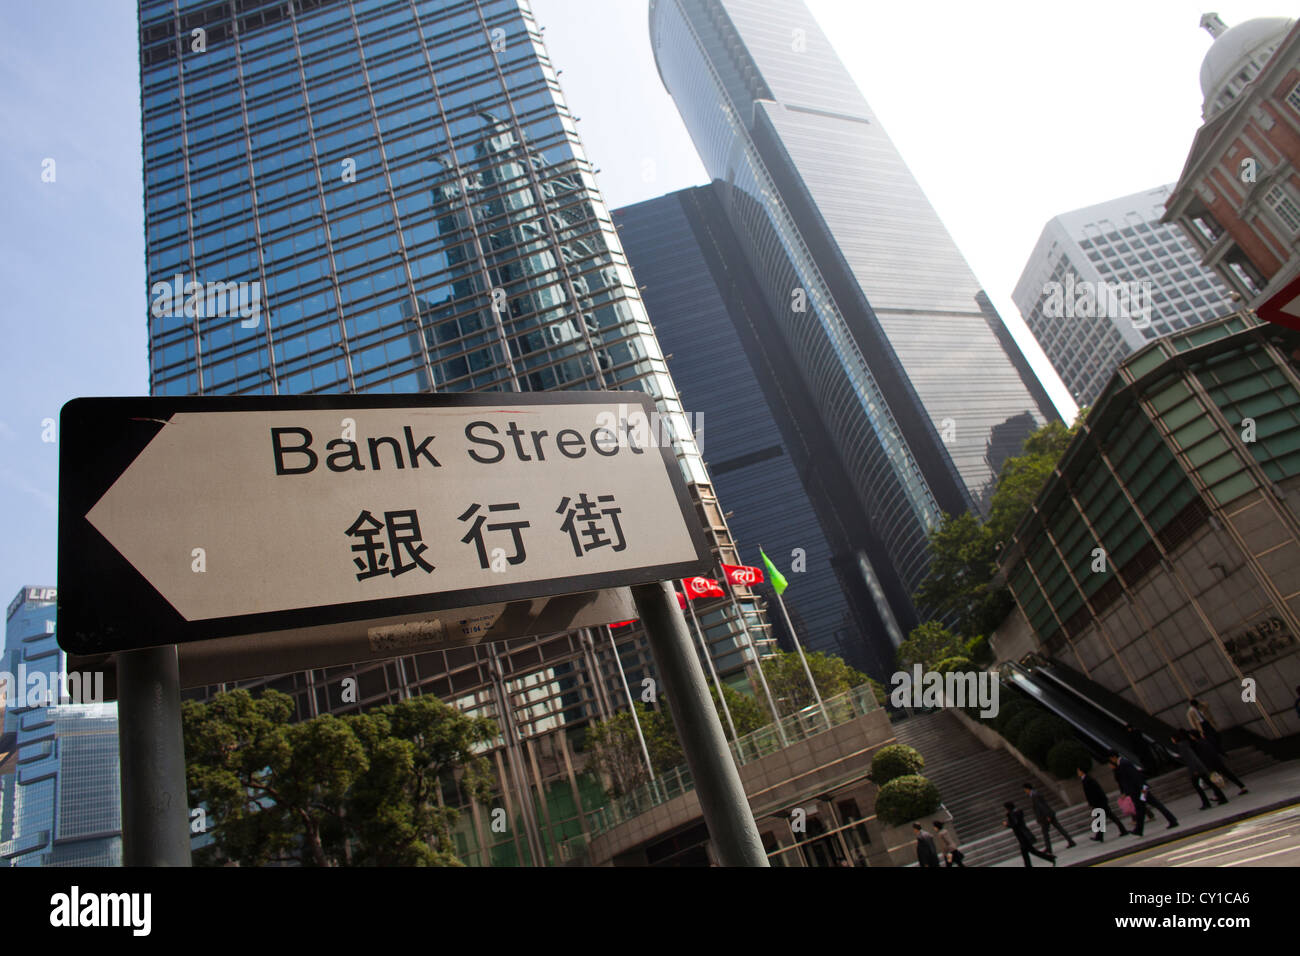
(1008, 113)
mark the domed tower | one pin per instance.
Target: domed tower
(1237, 56)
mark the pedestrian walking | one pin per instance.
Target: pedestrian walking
(1046, 817)
(926, 854)
(1133, 784)
(948, 846)
(1196, 770)
(1016, 822)
(1137, 742)
(1199, 720)
(1095, 794)
(1215, 762)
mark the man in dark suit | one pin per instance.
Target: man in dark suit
(1196, 770)
(1214, 761)
(1096, 797)
(1016, 822)
(926, 854)
(1046, 817)
(1133, 784)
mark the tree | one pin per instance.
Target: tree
(964, 553)
(789, 684)
(616, 751)
(928, 644)
(1022, 477)
(331, 791)
(963, 562)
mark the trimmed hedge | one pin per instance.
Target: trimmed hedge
(1012, 729)
(1037, 737)
(1007, 709)
(905, 798)
(896, 760)
(1067, 756)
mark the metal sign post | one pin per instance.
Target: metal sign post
(155, 814)
(717, 781)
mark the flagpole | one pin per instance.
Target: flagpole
(799, 647)
(636, 721)
(699, 634)
(762, 678)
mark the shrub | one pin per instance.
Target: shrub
(1007, 709)
(896, 760)
(1039, 734)
(954, 664)
(1067, 756)
(905, 798)
(1012, 728)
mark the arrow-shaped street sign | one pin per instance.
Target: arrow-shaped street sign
(185, 519)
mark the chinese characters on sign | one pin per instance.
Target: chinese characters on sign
(403, 532)
(395, 545)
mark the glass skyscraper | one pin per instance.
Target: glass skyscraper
(391, 196)
(61, 806)
(766, 445)
(915, 377)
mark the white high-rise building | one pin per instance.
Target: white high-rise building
(1105, 280)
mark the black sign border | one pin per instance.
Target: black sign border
(105, 605)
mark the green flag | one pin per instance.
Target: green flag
(779, 583)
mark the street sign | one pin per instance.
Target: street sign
(190, 519)
(1283, 308)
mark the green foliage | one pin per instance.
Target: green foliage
(1038, 736)
(1008, 707)
(748, 713)
(616, 752)
(785, 676)
(905, 798)
(330, 791)
(1023, 477)
(877, 688)
(1067, 756)
(963, 561)
(1014, 727)
(963, 552)
(980, 651)
(958, 663)
(896, 760)
(927, 645)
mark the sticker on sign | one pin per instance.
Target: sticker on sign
(212, 517)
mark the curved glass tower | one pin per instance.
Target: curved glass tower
(914, 376)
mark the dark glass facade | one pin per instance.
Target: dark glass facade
(906, 363)
(765, 447)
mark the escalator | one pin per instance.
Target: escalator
(1097, 715)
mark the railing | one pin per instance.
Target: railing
(793, 729)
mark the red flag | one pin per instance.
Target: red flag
(702, 588)
(681, 601)
(625, 623)
(743, 574)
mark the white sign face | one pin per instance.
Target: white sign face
(230, 513)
